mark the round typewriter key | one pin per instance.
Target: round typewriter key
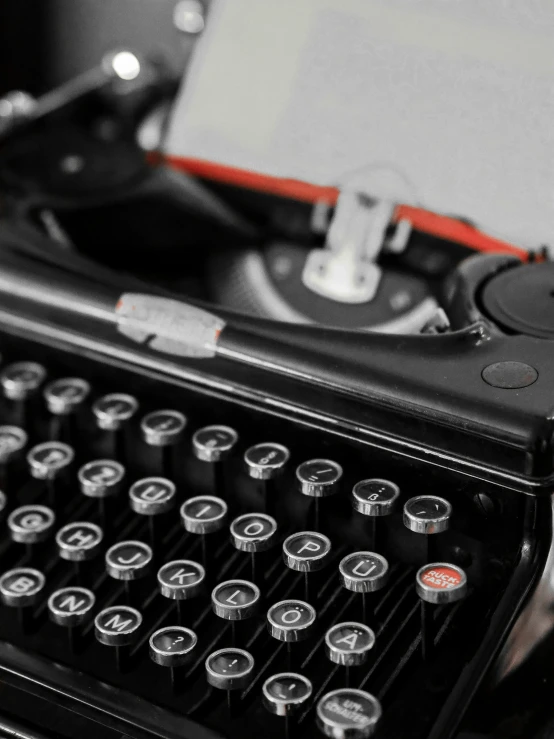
(349, 643)
(113, 411)
(101, 478)
(441, 583)
(286, 693)
(375, 497)
(79, 541)
(235, 600)
(428, 514)
(128, 560)
(291, 620)
(319, 478)
(266, 461)
(437, 583)
(253, 532)
(64, 396)
(31, 524)
(12, 441)
(306, 551)
(204, 514)
(348, 714)
(364, 572)
(71, 607)
(171, 646)
(22, 379)
(48, 460)
(181, 580)
(152, 496)
(118, 626)
(229, 669)
(214, 443)
(163, 428)
(21, 587)
(3, 503)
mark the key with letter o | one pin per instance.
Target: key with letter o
(101, 479)
(253, 532)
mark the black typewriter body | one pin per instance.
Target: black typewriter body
(500, 535)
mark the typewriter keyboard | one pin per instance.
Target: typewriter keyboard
(178, 563)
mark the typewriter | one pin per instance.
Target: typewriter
(221, 521)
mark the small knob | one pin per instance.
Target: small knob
(21, 587)
(204, 514)
(128, 560)
(118, 626)
(48, 460)
(101, 478)
(152, 496)
(349, 643)
(229, 669)
(12, 441)
(375, 497)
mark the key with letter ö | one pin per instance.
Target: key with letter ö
(348, 714)
(30, 525)
(318, 478)
(291, 621)
(64, 398)
(50, 462)
(349, 644)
